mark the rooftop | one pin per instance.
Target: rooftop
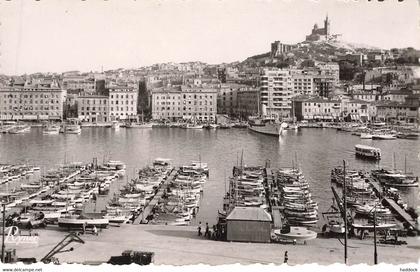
(249, 214)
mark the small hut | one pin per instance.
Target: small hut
(249, 224)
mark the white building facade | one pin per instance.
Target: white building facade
(122, 103)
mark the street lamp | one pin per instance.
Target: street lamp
(4, 229)
(375, 250)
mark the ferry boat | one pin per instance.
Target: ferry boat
(51, 129)
(367, 152)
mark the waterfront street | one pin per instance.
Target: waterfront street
(174, 245)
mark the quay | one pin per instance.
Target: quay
(394, 206)
(180, 245)
(149, 207)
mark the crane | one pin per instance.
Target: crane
(71, 237)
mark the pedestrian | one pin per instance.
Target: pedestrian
(199, 228)
(207, 233)
(286, 257)
(95, 230)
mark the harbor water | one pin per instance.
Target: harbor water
(315, 151)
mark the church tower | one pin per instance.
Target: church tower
(327, 26)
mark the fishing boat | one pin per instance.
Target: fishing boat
(367, 152)
(408, 135)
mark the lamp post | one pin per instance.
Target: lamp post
(375, 249)
(4, 229)
(345, 211)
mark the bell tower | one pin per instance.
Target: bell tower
(327, 26)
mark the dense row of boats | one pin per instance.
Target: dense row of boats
(179, 199)
(362, 196)
(295, 196)
(58, 196)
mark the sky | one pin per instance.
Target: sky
(64, 35)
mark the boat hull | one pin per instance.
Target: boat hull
(78, 223)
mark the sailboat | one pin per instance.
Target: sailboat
(293, 125)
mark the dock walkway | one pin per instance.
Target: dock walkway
(394, 206)
(149, 207)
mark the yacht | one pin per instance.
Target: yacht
(268, 126)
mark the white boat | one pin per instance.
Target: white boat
(51, 129)
(384, 137)
(366, 136)
(194, 126)
(371, 227)
(115, 125)
(213, 126)
(119, 219)
(368, 152)
(139, 125)
(78, 222)
(72, 129)
(20, 129)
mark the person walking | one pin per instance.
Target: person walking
(286, 257)
(199, 228)
(95, 230)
